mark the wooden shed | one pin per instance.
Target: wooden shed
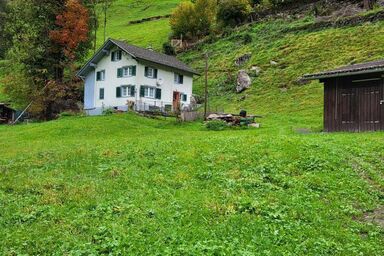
(7, 114)
(353, 97)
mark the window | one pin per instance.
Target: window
(178, 79)
(128, 91)
(125, 91)
(100, 76)
(150, 92)
(101, 93)
(116, 55)
(126, 71)
(150, 72)
(184, 97)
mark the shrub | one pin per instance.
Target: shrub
(233, 12)
(169, 49)
(192, 20)
(108, 111)
(216, 125)
(247, 39)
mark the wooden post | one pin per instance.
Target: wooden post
(206, 87)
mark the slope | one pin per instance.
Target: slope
(127, 185)
(121, 12)
(276, 91)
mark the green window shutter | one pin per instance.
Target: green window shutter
(132, 88)
(118, 92)
(155, 71)
(98, 76)
(158, 93)
(142, 91)
(113, 56)
(146, 72)
(119, 72)
(133, 70)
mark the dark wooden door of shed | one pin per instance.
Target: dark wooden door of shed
(359, 106)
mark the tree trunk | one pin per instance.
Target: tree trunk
(368, 4)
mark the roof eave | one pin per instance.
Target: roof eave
(341, 74)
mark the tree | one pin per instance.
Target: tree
(193, 19)
(106, 4)
(233, 12)
(72, 30)
(368, 4)
(47, 38)
(3, 39)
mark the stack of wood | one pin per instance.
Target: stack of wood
(236, 120)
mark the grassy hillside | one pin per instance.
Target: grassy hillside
(153, 33)
(275, 92)
(127, 185)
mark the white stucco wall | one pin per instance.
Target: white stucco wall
(112, 81)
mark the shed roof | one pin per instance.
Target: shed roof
(140, 54)
(356, 69)
(4, 105)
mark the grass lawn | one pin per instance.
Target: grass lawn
(124, 184)
(153, 33)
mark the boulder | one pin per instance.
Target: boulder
(243, 81)
(273, 63)
(255, 70)
(243, 59)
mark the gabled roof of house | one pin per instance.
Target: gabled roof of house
(356, 69)
(139, 54)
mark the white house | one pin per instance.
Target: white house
(121, 75)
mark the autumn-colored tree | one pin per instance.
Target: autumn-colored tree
(47, 38)
(73, 28)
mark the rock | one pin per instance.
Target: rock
(254, 125)
(256, 70)
(242, 98)
(243, 59)
(273, 63)
(243, 81)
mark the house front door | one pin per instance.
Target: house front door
(176, 101)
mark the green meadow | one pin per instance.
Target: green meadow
(127, 185)
(152, 33)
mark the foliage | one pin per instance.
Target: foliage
(216, 125)
(124, 184)
(3, 37)
(169, 49)
(192, 20)
(46, 40)
(72, 29)
(108, 111)
(233, 12)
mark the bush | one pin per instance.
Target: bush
(192, 20)
(247, 39)
(233, 12)
(108, 111)
(169, 49)
(216, 125)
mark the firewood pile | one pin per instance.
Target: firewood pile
(236, 120)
